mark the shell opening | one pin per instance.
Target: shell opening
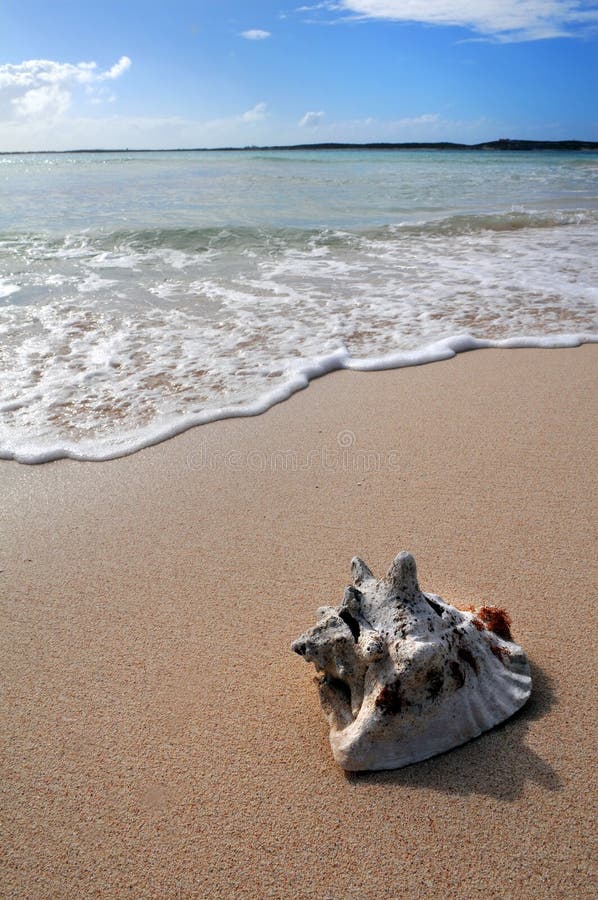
(352, 622)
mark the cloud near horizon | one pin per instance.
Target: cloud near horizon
(38, 88)
(311, 119)
(254, 126)
(502, 20)
(70, 132)
(256, 34)
(256, 114)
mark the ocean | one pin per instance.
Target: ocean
(144, 293)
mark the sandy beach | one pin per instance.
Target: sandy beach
(159, 738)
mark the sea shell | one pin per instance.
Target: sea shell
(405, 675)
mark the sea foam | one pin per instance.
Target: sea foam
(122, 441)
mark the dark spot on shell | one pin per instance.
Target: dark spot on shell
(342, 690)
(435, 606)
(500, 653)
(496, 620)
(457, 673)
(389, 701)
(468, 657)
(435, 682)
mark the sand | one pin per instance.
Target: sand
(159, 739)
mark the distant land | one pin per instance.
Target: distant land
(502, 144)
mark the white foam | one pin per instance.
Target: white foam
(93, 283)
(6, 289)
(98, 371)
(116, 445)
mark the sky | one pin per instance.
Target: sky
(190, 73)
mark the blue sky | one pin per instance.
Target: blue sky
(183, 74)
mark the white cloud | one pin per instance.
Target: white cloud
(255, 34)
(117, 69)
(326, 5)
(42, 88)
(100, 95)
(47, 101)
(504, 20)
(44, 71)
(257, 114)
(311, 119)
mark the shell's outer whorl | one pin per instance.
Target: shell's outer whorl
(405, 675)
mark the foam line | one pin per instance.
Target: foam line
(126, 443)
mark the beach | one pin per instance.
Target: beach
(159, 737)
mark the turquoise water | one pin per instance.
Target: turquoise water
(141, 293)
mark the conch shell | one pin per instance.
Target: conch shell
(405, 675)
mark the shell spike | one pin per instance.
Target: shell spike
(359, 571)
(403, 573)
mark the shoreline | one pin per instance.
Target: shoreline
(338, 360)
(160, 738)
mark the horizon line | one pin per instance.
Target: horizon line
(500, 144)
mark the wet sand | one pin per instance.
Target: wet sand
(159, 739)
